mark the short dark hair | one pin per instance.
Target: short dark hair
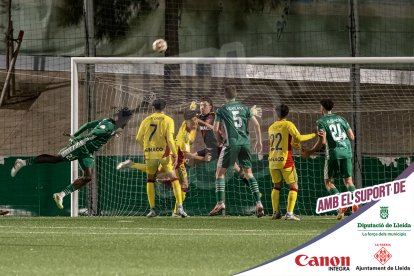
(207, 99)
(189, 114)
(282, 110)
(159, 104)
(123, 112)
(327, 104)
(230, 92)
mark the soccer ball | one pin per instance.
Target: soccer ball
(159, 45)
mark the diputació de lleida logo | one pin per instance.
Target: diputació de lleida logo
(384, 212)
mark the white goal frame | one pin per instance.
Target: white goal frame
(75, 61)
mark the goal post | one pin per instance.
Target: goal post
(384, 105)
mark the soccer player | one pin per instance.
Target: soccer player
(156, 136)
(81, 147)
(185, 137)
(205, 121)
(338, 160)
(233, 118)
(283, 135)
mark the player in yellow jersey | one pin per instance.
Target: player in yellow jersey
(185, 137)
(283, 136)
(156, 136)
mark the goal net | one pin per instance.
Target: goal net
(374, 94)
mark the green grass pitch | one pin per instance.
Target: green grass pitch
(141, 246)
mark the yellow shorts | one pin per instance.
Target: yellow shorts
(289, 175)
(152, 165)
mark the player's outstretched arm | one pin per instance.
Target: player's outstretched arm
(350, 134)
(256, 111)
(140, 135)
(297, 136)
(256, 125)
(321, 141)
(216, 131)
(194, 156)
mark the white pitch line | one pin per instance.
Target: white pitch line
(157, 234)
(149, 229)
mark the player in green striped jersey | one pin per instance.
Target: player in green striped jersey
(233, 119)
(81, 147)
(337, 138)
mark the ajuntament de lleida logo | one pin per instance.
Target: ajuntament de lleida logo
(384, 212)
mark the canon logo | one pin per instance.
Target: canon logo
(303, 260)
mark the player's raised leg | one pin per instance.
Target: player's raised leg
(43, 158)
(126, 164)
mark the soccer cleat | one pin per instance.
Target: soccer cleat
(181, 212)
(259, 210)
(3, 212)
(175, 215)
(341, 213)
(124, 165)
(276, 215)
(151, 214)
(219, 208)
(59, 200)
(355, 208)
(20, 163)
(292, 217)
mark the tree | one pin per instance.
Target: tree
(112, 18)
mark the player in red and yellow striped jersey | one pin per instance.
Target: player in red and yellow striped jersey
(284, 136)
(156, 136)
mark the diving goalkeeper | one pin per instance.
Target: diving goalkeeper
(81, 147)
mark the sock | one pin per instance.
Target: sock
(177, 192)
(220, 189)
(333, 191)
(275, 199)
(183, 198)
(139, 166)
(68, 190)
(254, 187)
(351, 189)
(151, 194)
(29, 161)
(292, 196)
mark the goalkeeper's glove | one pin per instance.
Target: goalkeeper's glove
(256, 111)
